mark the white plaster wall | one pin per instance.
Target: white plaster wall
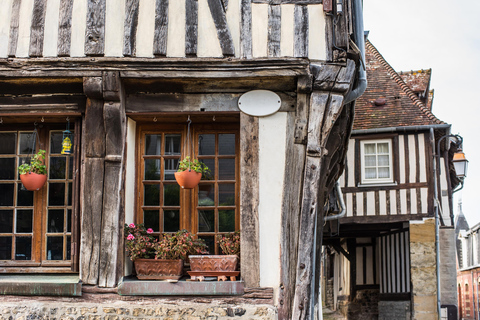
(259, 30)
(114, 26)
(316, 34)
(272, 137)
(130, 182)
(79, 23)
(176, 29)
(444, 199)
(145, 31)
(233, 21)
(208, 44)
(6, 13)
(26, 12)
(51, 28)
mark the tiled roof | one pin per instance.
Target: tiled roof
(388, 100)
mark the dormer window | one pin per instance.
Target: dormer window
(376, 161)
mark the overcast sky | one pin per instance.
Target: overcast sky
(444, 36)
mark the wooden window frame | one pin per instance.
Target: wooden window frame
(364, 180)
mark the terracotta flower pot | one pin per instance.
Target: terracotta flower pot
(188, 179)
(33, 181)
(152, 269)
(213, 263)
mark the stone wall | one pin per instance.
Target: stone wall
(364, 305)
(398, 310)
(448, 267)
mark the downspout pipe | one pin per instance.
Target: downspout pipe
(436, 204)
(360, 41)
(342, 213)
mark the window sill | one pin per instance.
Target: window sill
(134, 287)
(376, 184)
(40, 285)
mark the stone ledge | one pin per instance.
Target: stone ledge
(40, 285)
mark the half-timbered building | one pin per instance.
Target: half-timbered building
(382, 251)
(126, 75)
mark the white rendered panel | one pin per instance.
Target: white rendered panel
(382, 199)
(413, 201)
(403, 201)
(412, 158)
(259, 30)
(145, 28)
(401, 157)
(421, 156)
(359, 204)
(6, 14)
(130, 183)
(351, 163)
(393, 202)
(316, 32)
(349, 204)
(176, 29)
(50, 37)
(233, 22)
(208, 43)
(424, 195)
(370, 203)
(114, 26)
(25, 23)
(287, 30)
(79, 24)
(444, 199)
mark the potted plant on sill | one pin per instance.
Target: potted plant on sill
(160, 259)
(34, 174)
(221, 266)
(190, 172)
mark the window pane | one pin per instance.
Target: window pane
(26, 143)
(24, 197)
(22, 160)
(383, 160)
(5, 248)
(7, 142)
(153, 144)
(70, 191)
(206, 220)
(383, 173)
(6, 221)
(151, 195)
(172, 144)
(210, 242)
(152, 169)
(370, 161)
(226, 220)
(382, 148)
(69, 220)
(70, 168)
(226, 169)
(206, 144)
(24, 221)
(55, 221)
(151, 219)
(210, 163)
(226, 194)
(171, 220)
(7, 168)
(171, 195)
(55, 248)
(6, 194)
(69, 246)
(226, 144)
(170, 168)
(56, 194)
(57, 167)
(370, 173)
(206, 195)
(56, 139)
(23, 248)
(369, 148)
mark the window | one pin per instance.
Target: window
(35, 226)
(212, 208)
(376, 161)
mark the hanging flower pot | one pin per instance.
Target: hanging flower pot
(190, 172)
(33, 181)
(34, 174)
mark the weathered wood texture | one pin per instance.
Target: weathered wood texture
(246, 29)
(288, 1)
(37, 28)
(14, 23)
(304, 87)
(65, 28)
(300, 47)
(274, 28)
(130, 27)
(249, 199)
(95, 29)
(161, 28)
(191, 27)
(223, 32)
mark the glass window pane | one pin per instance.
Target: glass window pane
(56, 194)
(22, 160)
(56, 139)
(5, 248)
(226, 144)
(383, 160)
(226, 194)
(69, 220)
(226, 220)
(226, 169)
(70, 191)
(55, 221)
(24, 197)
(170, 168)
(151, 219)
(152, 169)
(370, 161)
(8, 142)
(206, 144)
(6, 194)
(370, 173)
(24, 221)
(382, 148)
(153, 143)
(151, 195)
(171, 195)
(6, 221)
(206, 195)
(210, 242)
(369, 148)
(69, 246)
(383, 173)
(70, 167)
(57, 167)
(171, 220)
(23, 248)
(172, 144)
(54, 248)
(26, 143)
(7, 168)
(206, 221)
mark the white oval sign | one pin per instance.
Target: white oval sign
(259, 103)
